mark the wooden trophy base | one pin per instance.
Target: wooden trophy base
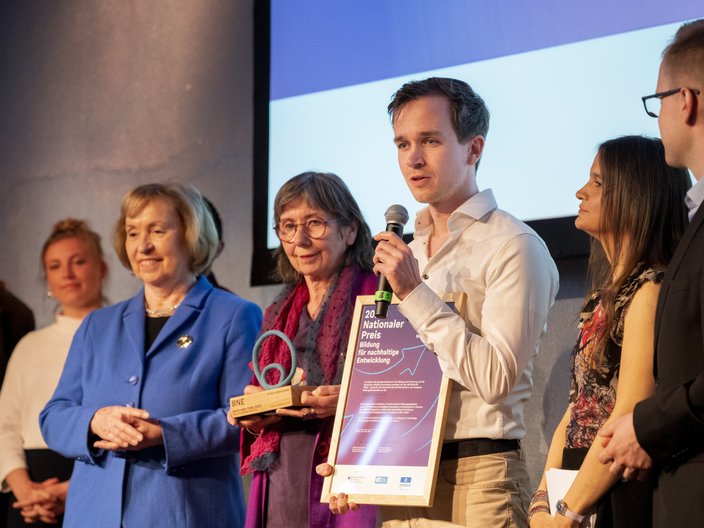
(268, 400)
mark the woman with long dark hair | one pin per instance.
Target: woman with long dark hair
(633, 208)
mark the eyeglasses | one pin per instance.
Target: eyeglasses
(652, 103)
(313, 228)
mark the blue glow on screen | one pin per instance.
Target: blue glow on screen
(558, 77)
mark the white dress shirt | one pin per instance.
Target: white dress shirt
(503, 281)
(32, 375)
(694, 198)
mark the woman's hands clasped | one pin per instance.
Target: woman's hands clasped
(46, 505)
(42, 501)
(125, 428)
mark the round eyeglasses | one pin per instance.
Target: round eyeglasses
(313, 228)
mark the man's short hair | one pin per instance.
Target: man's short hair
(684, 57)
(470, 116)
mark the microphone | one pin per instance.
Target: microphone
(396, 217)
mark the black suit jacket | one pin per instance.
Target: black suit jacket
(670, 425)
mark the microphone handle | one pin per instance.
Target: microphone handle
(384, 292)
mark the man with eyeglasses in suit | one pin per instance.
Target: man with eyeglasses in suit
(666, 432)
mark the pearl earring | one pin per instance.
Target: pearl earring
(49, 293)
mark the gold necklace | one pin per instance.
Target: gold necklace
(161, 313)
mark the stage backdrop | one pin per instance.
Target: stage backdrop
(97, 97)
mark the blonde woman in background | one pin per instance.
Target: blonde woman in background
(37, 477)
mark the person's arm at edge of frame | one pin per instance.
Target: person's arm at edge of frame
(553, 460)
(679, 414)
(662, 429)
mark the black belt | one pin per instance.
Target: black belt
(477, 446)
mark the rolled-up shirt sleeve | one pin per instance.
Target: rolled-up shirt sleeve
(487, 356)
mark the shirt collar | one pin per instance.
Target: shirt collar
(694, 198)
(476, 208)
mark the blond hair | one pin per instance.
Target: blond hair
(73, 228)
(200, 235)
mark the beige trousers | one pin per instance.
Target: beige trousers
(485, 491)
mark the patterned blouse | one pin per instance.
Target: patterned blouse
(593, 383)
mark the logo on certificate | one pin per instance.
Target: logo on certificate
(381, 480)
(406, 480)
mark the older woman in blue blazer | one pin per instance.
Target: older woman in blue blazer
(141, 404)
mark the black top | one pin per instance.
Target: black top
(152, 329)
(15, 321)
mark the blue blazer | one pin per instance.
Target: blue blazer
(197, 362)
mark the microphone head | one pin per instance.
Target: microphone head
(396, 214)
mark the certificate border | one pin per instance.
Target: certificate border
(424, 500)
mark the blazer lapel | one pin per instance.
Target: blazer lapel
(675, 263)
(133, 318)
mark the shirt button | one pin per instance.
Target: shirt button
(426, 276)
(133, 380)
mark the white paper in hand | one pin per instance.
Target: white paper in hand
(559, 482)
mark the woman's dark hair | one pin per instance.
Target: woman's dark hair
(642, 210)
(327, 192)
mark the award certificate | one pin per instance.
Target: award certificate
(391, 413)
